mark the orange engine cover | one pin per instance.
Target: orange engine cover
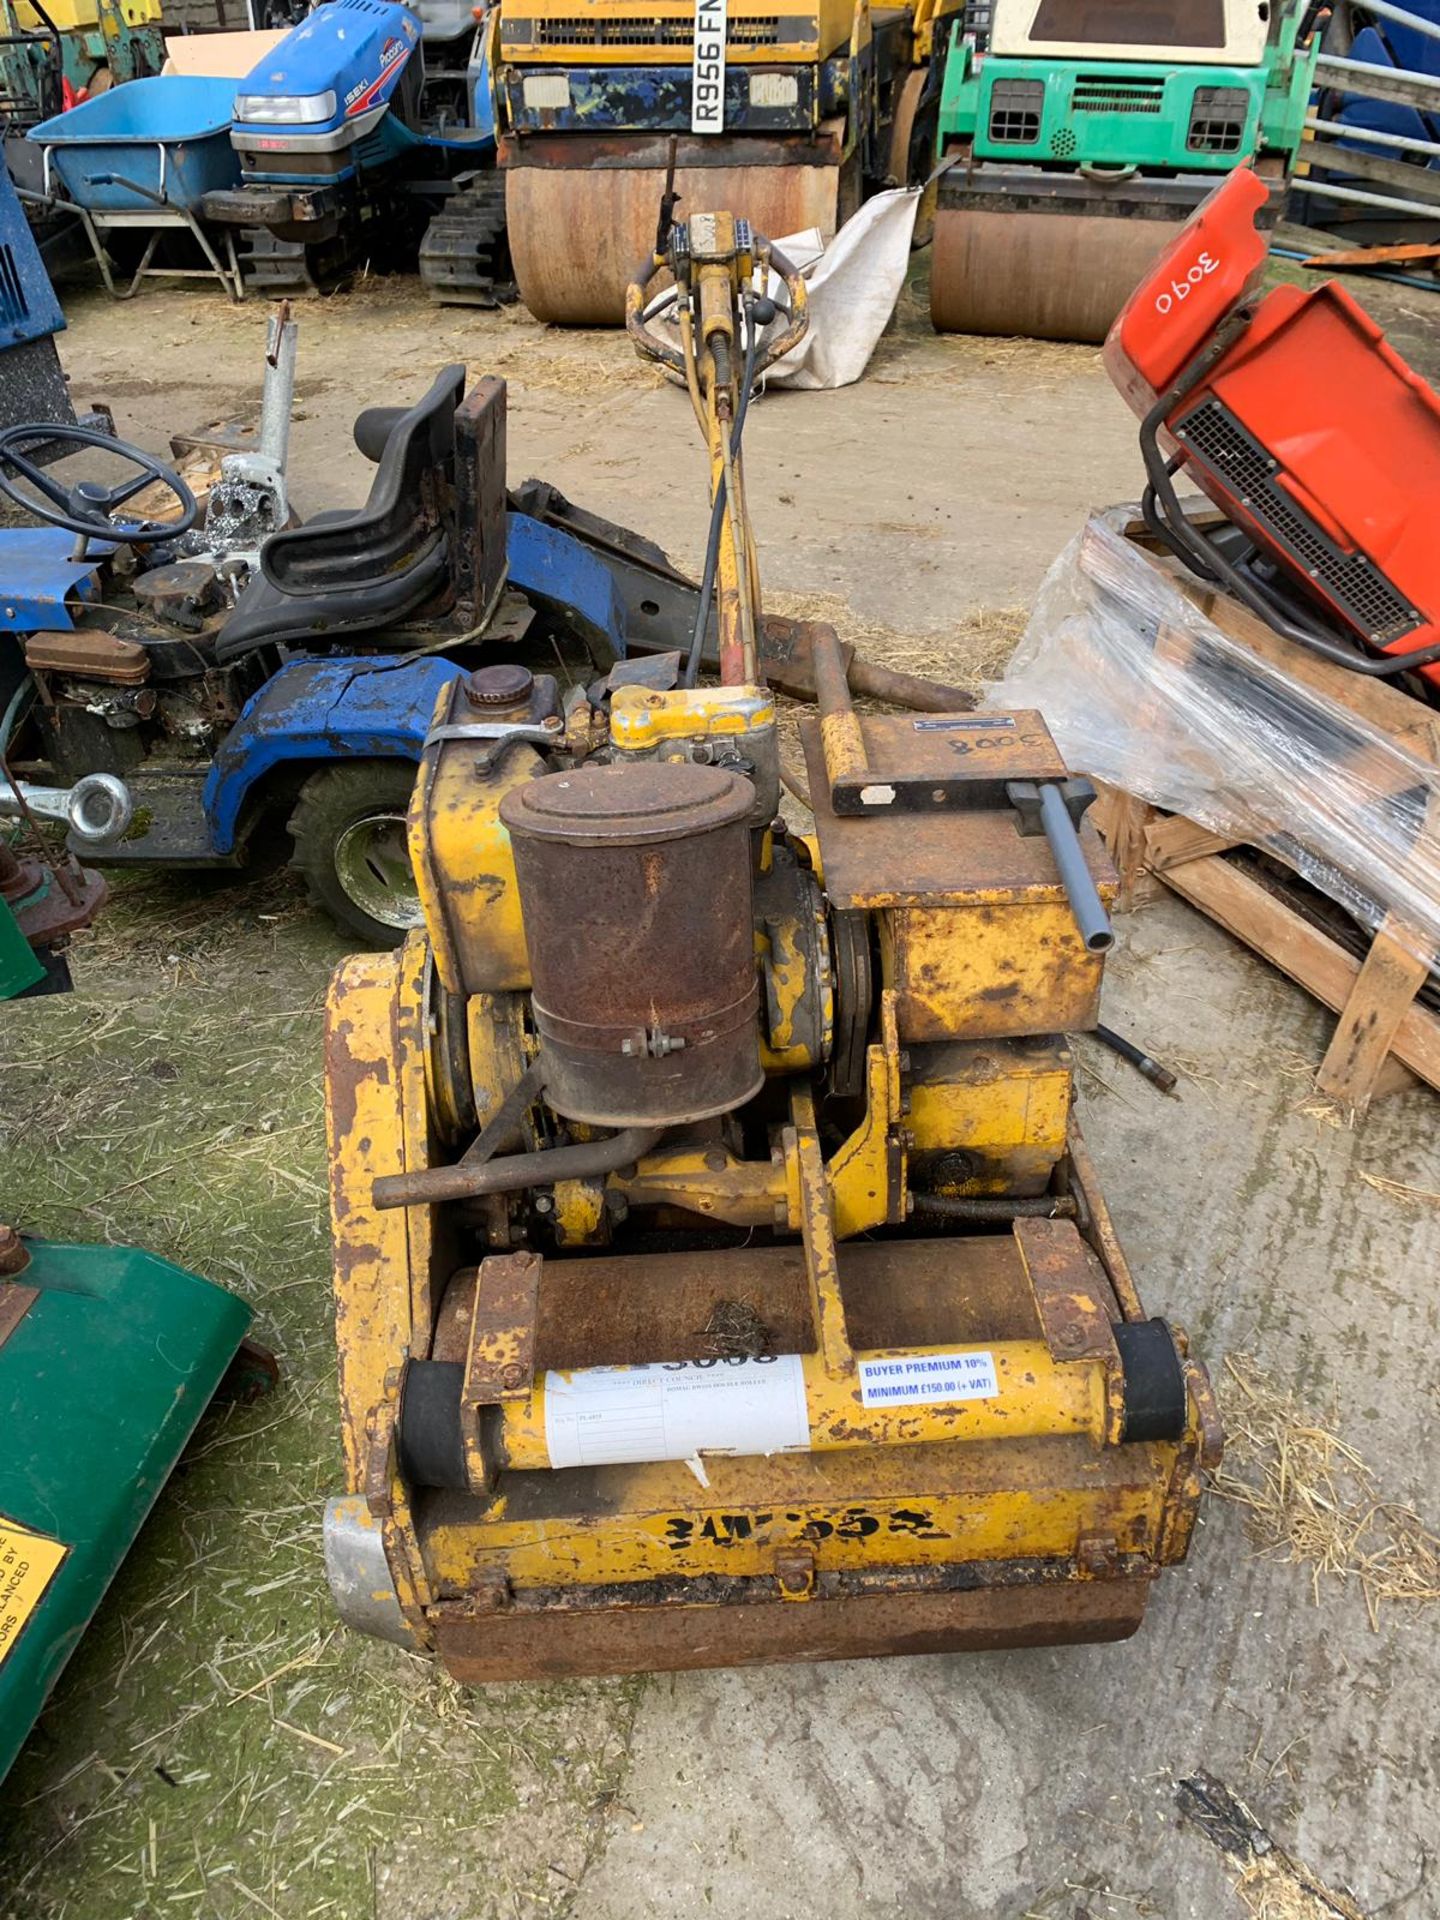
(1309, 432)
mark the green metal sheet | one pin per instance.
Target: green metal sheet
(19, 967)
(108, 1358)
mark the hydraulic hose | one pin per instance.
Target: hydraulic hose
(983, 1208)
(717, 510)
(515, 1172)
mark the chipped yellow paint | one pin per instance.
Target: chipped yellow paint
(642, 720)
(464, 867)
(1003, 1104)
(868, 1173)
(713, 1182)
(366, 1131)
(783, 952)
(580, 1213)
(889, 1508)
(997, 968)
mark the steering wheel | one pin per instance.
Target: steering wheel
(86, 508)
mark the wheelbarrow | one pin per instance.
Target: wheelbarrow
(142, 157)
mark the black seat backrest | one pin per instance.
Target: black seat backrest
(401, 521)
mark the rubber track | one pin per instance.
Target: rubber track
(465, 257)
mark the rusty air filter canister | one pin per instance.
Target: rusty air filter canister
(635, 890)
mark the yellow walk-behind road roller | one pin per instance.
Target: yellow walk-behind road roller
(720, 1275)
(791, 118)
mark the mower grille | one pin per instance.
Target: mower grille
(1015, 108)
(1103, 93)
(1217, 120)
(646, 30)
(1350, 581)
(14, 307)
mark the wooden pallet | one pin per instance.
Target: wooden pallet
(1384, 1036)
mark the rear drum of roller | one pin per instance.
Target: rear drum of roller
(577, 234)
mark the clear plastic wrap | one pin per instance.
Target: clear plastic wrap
(1142, 691)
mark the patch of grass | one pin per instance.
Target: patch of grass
(219, 1745)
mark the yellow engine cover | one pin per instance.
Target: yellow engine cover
(662, 33)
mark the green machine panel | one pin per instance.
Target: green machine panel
(108, 1358)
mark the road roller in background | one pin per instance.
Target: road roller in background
(720, 1274)
(1084, 133)
(791, 119)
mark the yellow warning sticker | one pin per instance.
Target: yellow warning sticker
(28, 1563)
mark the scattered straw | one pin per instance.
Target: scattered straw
(1397, 1189)
(975, 648)
(1311, 1499)
(1271, 1891)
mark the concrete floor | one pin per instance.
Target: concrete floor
(983, 1788)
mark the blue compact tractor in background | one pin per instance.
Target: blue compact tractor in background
(369, 133)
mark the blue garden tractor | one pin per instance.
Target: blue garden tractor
(369, 133)
(240, 681)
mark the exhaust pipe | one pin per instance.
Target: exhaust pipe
(98, 807)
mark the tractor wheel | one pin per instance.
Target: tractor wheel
(349, 833)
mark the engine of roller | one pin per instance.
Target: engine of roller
(720, 1274)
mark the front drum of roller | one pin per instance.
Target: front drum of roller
(1047, 276)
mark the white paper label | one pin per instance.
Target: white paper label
(607, 1416)
(926, 1377)
(707, 70)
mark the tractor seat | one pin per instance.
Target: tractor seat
(346, 572)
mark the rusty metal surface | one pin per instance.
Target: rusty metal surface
(480, 560)
(514, 1172)
(579, 226)
(15, 1302)
(49, 902)
(787, 663)
(14, 1254)
(945, 761)
(1097, 1225)
(1076, 1303)
(938, 859)
(617, 1310)
(636, 892)
(91, 654)
(500, 1363)
(828, 1333)
(515, 1643)
(1072, 1295)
